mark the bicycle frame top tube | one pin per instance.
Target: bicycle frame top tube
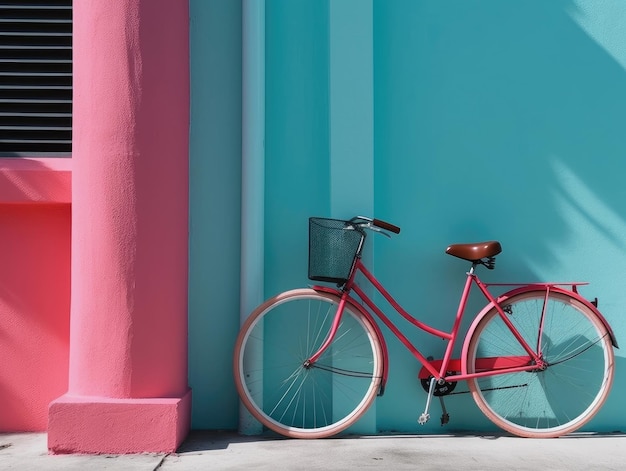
(450, 337)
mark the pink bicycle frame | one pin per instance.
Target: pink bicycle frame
(439, 369)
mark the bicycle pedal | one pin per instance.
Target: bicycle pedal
(445, 418)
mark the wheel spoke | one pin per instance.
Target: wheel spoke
(560, 398)
(282, 390)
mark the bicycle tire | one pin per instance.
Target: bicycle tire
(280, 391)
(569, 392)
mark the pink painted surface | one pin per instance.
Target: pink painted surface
(93, 425)
(130, 187)
(128, 330)
(34, 310)
(31, 180)
(34, 288)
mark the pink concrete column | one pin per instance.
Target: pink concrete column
(128, 330)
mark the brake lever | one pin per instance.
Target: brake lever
(377, 229)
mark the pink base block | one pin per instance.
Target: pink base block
(79, 424)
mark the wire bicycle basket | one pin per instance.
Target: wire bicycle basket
(334, 245)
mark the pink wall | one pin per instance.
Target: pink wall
(34, 289)
(93, 304)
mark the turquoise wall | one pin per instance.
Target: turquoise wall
(215, 215)
(457, 121)
(297, 134)
(499, 120)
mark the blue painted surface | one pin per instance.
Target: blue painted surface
(491, 124)
(297, 135)
(482, 120)
(215, 215)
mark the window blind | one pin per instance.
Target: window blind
(35, 77)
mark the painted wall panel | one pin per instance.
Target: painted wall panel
(215, 201)
(297, 135)
(34, 312)
(492, 124)
(495, 120)
(35, 215)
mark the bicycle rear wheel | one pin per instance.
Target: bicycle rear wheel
(564, 396)
(285, 394)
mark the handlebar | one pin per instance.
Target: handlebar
(386, 225)
(379, 223)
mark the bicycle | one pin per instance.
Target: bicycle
(538, 360)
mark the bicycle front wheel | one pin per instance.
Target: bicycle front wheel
(290, 397)
(559, 399)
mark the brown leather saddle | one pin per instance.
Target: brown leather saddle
(475, 252)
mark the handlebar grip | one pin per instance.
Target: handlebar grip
(387, 226)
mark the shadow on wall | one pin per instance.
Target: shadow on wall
(29, 180)
(500, 120)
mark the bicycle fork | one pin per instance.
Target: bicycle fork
(331, 335)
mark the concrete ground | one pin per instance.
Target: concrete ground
(229, 451)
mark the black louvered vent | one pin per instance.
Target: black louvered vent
(35, 77)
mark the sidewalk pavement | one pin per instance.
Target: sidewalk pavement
(229, 451)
